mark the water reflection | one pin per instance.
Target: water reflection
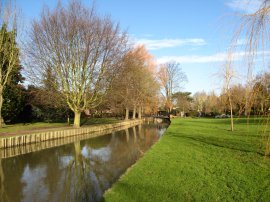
(80, 171)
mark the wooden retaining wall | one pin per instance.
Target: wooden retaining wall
(24, 149)
(21, 140)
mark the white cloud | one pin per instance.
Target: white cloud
(218, 57)
(152, 44)
(246, 6)
(241, 42)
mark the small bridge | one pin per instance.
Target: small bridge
(162, 117)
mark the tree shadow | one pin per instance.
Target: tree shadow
(219, 142)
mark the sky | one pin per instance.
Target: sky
(196, 34)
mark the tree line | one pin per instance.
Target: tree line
(244, 102)
(75, 62)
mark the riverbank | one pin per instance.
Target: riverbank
(23, 128)
(200, 160)
(41, 135)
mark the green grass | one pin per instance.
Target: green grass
(200, 160)
(16, 128)
(29, 126)
(94, 121)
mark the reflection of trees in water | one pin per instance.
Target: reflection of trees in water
(22, 172)
(10, 188)
(93, 170)
(76, 177)
(81, 171)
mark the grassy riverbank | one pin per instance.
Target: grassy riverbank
(20, 127)
(201, 160)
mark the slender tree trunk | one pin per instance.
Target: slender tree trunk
(262, 108)
(231, 109)
(134, 112)
(246, 110)
(68, 120)
(1, 105)
(77, 119)
(139, 112)
(127, 114)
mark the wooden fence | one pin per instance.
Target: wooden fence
(21, 140)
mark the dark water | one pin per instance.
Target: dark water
(79, 171)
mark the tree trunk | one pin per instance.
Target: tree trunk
(134, 112)
(77, 119)
(262, 108)
(68, 120)
(139, 112)
(127, 114)
(1, 104)
(231, 113)
(247, 109)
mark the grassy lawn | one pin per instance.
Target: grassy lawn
(200, 160)
(29, 126)
(14, 128)
(94, 121)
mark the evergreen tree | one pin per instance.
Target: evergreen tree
(9, 63)
(14, 97)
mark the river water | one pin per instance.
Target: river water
(78, 171)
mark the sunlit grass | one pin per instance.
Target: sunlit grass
(29, 126)
(200, 160)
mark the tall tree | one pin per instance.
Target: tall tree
(200, 101)
(135, 87)
(9, 52)
(82, 49)
(14, 96)
(183, 101)
(171, 78)
(228, 76)
(255, 27)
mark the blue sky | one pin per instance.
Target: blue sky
(194, 33)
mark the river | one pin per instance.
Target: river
(78, 171)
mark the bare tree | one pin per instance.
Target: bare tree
(171, 78)
(255, 26)
(183, 101)
(9, 53)
(238, 98)
(228, 76)
(135, 86)
(261, 92)
(200, 99)
(83, 50)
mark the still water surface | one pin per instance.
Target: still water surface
(80, 171)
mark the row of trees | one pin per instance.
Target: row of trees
(244, 102)
(78, 61)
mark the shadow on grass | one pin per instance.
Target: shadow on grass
(226, 121)
(143, 191)
(220, 142)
